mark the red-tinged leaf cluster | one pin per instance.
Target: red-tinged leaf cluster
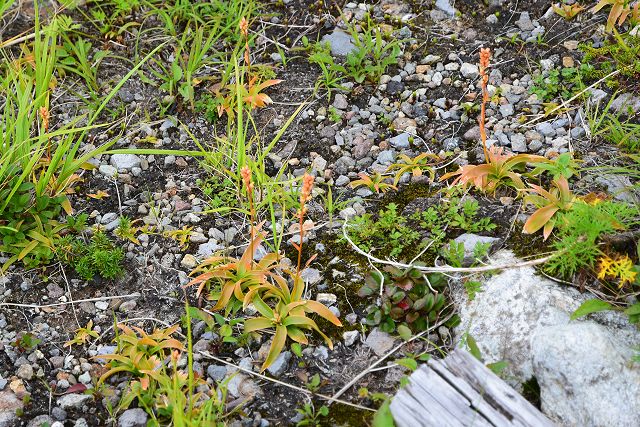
(375, 182)
(500, 169)
(275, 291)
(141, 354)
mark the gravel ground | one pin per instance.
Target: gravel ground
(422, 104)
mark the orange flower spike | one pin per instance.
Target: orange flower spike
(305, 196)
(244, 27)
(307, 186)
(44, 115)
(244, 30)
(245, 172)
(485, 56)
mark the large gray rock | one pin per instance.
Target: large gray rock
(626, 103)
(280, 365)
(619, 186)
(583, 367)
(599, 385)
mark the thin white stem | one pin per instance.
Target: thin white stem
(12, 304)
(446, 268)
(383, 358)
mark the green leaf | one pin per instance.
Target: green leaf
(590, 306)
(296, 349)
(404, 332)
(226, 330)
(383, 416)
(256, 324)
(473, 348)
(276, 346)
(408, 363)
(498, 367)
(315, 381)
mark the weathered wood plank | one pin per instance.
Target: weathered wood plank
(495, 391)
(409, 412)
(476, 400)
(458, 406)
(459, 391)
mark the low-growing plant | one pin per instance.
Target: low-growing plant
(375, 182)
(96, 256)
(617, 54)
(392, 234)
(79, 57)
(314, 383)
(127, 230)
(192, 54)
(579, 232)
(83, 335)
(417, 166)
(551, 204)
(373, 55)
(221, 326)
(242, 86)
(389, 233)
(141, 355)
(619, 12)
(499, 170)
(408, 297)
(453, 213)
(245, 281)
(234, 275)
(563, 82)
(168, 391)
(39, 165)
(619, 267)
(26, 342)
(454, 253)
(567, 11)
(311, 417)
(367, 62)
(332, 74)
(564, 165)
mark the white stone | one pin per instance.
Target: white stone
(108, 170)
(350, 337)
(469, 71)
(380, 342)
(189, 261)
(124, 161)
(73, 400)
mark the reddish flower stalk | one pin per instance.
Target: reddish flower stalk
(485, 56)
(245, 172)
(244, 30)
(305, 196)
